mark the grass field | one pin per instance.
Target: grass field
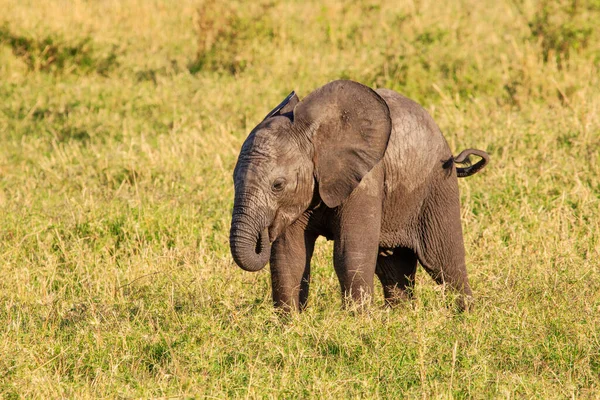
(120, 123)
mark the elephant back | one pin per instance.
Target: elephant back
(416, 147)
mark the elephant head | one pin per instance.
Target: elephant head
(320, 147)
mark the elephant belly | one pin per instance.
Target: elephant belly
(400, 218)
(318, 220)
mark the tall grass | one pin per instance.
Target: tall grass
(120, 122)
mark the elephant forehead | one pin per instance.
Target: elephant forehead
(249, 176)
(269, 144)
(259, 143)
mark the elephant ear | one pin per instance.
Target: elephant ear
(285, 106)
(349, 125)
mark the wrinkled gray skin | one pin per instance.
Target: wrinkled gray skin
(367, 169)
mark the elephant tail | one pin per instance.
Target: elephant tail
(470, 169)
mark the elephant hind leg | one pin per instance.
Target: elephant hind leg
(396, 271)
(441, 251)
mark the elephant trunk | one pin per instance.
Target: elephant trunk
(250, 246)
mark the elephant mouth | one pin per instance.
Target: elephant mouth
(271, 234)
(275, 229)
(280, 223)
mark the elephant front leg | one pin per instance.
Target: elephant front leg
(356, 239)
(290, 268)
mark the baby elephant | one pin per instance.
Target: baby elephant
(367, 169)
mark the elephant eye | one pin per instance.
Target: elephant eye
(278, 184)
